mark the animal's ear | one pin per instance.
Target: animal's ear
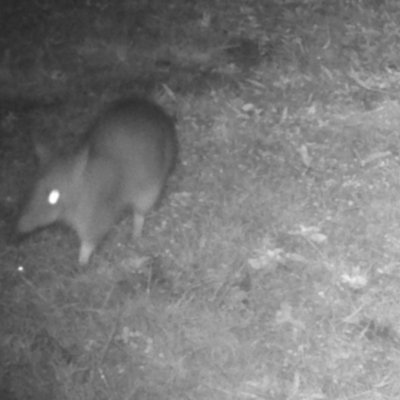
(80, 163)
(43, 153)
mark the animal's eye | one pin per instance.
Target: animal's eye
(54, 196)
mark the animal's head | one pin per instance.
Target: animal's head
(54, 192)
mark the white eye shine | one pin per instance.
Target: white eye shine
(54, 196)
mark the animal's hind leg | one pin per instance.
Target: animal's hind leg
(143, 204)
(138, 222)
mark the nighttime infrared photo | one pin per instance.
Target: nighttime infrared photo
(198, 200)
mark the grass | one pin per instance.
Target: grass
(271, 266)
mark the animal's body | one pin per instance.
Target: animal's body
(123, 161)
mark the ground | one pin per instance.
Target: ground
(270, 268)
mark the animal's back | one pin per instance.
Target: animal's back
(138, 139)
